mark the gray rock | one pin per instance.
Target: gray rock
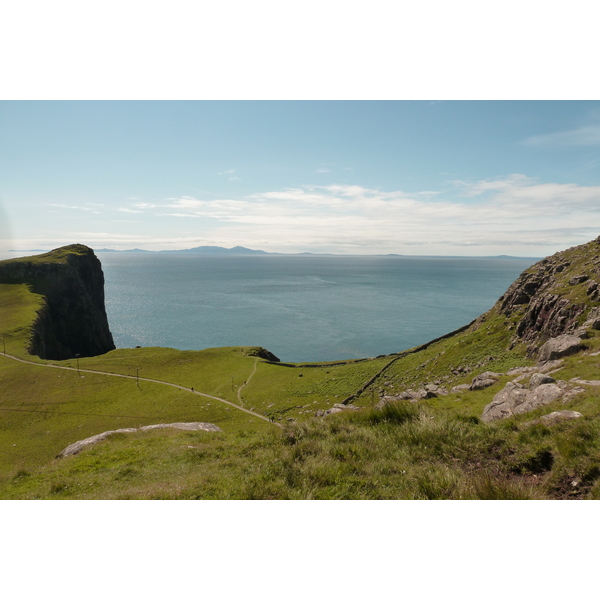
(484, 380)
(560, 415)
(540, 396)
(521, 370)
(593, 318)
(563, 345)
(539, 379)
(77, 447)
(337, 408)
(514, 399)
(555, 417)
(550, 366)
(594, 382)
(460, 388)
(504, 401)
(578, 279)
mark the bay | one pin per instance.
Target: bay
(301, 308)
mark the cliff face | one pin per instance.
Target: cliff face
(554, 296)
(73, 318)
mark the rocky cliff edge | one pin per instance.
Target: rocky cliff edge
(72, 320)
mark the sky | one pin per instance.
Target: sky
(471, 178)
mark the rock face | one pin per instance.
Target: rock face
(538, 297)
(73, 319)
(264, 353)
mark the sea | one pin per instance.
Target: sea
(300, 308)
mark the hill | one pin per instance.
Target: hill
(505, 407)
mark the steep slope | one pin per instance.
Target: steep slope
(72, 320)
(555, 296)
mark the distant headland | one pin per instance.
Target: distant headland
(242, 251)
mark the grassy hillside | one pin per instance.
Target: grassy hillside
(434, 448)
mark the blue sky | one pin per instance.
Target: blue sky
(350, 177)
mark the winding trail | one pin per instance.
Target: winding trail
(180, 387)
(239, 392)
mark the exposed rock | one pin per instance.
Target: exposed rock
(555, 417)
(337, 408)
(563, 345)
(514, 399)
(578, 279)
(593, 291)
(484, 380)
(436, 389)
(593, 318)
(549, 366)
(77, 447)
(264, 353)
(504, 401)
(593, 382)
(521, 370)
(539, 379)
(73, 319)
(540, 396)
(460, 388)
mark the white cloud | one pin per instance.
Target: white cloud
(487, 216)
(323, 171)
(511, 215)
(227, 172)
(584, 136)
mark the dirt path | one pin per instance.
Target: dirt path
(239, 393)
(186, 389)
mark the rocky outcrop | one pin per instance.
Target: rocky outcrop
(539, 299)
(77, 447)
(516, 399)
(72, 320)
(563, 345)
(263, 353)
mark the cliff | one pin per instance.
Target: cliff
(72, 320)
(554, 297)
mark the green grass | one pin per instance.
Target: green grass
(436, 449)
(403, 452)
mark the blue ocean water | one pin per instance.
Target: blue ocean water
(301, 308)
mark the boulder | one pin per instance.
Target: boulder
(504, 401)
(540, 396)
(515, 399)
(554, 417)
(460, 388)
(337, 408)
(563, 345)
(539, 379)
(560, 415)
(484, 380)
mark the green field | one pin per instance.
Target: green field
(272, 444)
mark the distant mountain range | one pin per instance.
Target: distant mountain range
(237, 250)
(241, 251)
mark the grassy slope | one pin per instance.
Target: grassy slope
(436, 449)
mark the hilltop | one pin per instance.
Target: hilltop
(507, 406)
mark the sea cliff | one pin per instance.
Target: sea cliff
(72, 320)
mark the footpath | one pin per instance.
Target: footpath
(186, 389)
